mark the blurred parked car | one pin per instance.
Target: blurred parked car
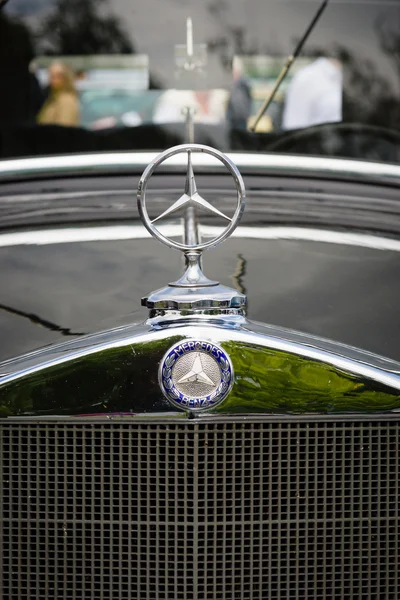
(119, 106)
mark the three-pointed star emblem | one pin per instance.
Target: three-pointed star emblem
(191, 197)
(196, 374)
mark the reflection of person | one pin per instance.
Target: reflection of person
(314, 95)
(240, 101)
(62, 105)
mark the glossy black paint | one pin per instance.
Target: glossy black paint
(349, 293)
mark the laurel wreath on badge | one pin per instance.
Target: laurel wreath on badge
(167, 376)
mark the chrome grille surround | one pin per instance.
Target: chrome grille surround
(250, 508)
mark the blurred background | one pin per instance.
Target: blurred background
(117, 66)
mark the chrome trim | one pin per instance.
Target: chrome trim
(201, 297)
(72, 235)
(125, 162)
(348, 359)
(181, 417)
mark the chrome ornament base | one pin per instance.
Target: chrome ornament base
(193, 291)
(191, 299)
(193, 276)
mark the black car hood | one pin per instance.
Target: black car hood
(60, 283)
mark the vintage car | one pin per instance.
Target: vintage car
(200, 366)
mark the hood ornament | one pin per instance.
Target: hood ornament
(193, 291)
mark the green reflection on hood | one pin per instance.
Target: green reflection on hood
(269, 380)
(125, 380)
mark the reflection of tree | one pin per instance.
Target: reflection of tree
(390, 40)
(390, 44)
(16, 47)
(231, 40)
(78, 27)
(365, 89)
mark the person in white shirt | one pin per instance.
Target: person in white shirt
(314, 95)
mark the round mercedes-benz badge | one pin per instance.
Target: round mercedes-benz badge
(196, 375)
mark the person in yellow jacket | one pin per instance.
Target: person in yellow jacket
(62, 105)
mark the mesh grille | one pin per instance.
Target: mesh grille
(238, 510)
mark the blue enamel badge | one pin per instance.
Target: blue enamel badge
(196, 375)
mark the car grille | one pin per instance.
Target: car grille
(244, 509)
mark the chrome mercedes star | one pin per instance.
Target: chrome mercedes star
(196, 373)
(191, 197)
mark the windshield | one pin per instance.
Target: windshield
(106, 75)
